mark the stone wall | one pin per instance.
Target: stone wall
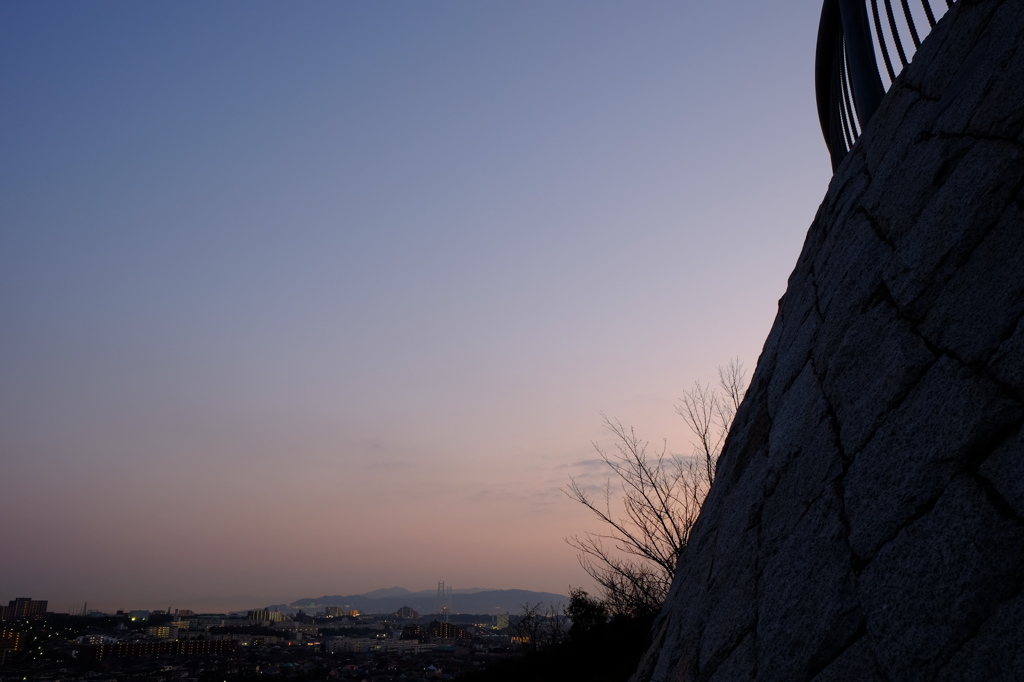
(867, 522)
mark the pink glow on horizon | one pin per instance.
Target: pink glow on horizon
(327, 298)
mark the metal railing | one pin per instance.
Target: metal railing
(848, 83)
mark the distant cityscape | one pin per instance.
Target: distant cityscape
(341, 637)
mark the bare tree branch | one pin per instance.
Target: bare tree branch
(732, 379)
(660, 496)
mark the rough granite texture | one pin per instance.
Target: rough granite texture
(867, 522)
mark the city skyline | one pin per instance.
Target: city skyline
(384, 600)
(298, 298)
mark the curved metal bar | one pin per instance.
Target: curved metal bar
(881, 41)
(928, 13)
(860, 58)
(847, 84)
(844, 110)
(837, 123)
(830, 33)
(910, 22)
(850, 114)
(895, 33)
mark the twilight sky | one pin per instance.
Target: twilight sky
(323, 297)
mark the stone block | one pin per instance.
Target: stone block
(1007, 364)
(1004, 471)
(978, 179)
(1001, 112)
(741, 664)
(979, 305)
(846, 270)
(930, 588)
(994, 654)
(924, 443)
(856, 664)
(870, 361)
(808, 608)
(801, 440)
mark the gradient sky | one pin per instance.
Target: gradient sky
(322, 297)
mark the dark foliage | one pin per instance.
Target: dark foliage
(605, 652)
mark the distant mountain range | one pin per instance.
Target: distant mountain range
(389, 600)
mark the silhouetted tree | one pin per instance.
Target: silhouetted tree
(709, 413)
(537, 627)
(661, 494)
(586, 613)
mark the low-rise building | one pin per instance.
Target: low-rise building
(374, 644)
(23, 607)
